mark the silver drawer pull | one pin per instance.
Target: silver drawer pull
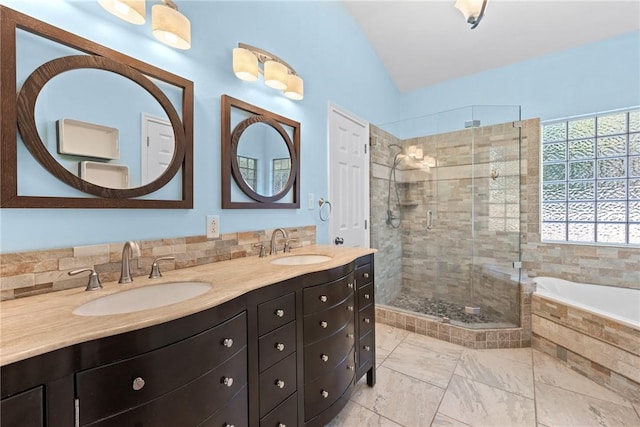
(324, 358)
(366, 320)
(324, 393)
(366, 275)
(280, 346)
(228, 342)
(138, 384)
(280, 312)
(350, 336)
(323, 298)
(350, 368)
(228, 425)
(366, 348)
(323, 324)
(280, 383)
(228, 381)
(350, 285)
(367, 296)
(282, 425)
(350, 307)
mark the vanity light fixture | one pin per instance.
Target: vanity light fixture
(167, 24)
(473, 10)
(277, 73)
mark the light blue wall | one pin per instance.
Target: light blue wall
(597, 77)
(326, 46)
(319, 39)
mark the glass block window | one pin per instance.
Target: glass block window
(281, 170)
(249, 171)
(591, 179)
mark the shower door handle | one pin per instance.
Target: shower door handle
(429, 220)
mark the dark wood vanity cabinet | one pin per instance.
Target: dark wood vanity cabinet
(288, 354)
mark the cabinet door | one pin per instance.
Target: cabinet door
(23, 410)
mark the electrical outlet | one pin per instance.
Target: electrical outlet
(310, 201)
(213, 226)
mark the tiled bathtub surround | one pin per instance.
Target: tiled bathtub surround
(604, 350)
(30, 273)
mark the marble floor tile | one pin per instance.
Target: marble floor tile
(381, 355)
(433, 344)
(503, 373)
(400, 398)
(553, 372)
(388, 337)
(444, 421)
(558, 407)
(355, 415)
(522, 355)
(478, 404)
(418, 361)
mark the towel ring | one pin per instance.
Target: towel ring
(322, 202)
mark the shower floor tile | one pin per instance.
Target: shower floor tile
(485, 388)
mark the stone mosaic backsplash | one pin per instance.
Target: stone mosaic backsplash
(37, 272)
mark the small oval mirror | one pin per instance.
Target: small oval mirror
(262, 158)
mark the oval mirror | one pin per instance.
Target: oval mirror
(106, 160)
(263, 158)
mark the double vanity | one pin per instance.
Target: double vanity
(276, 341)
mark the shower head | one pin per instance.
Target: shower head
(397, 146)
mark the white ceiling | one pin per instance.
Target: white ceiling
(425, 42)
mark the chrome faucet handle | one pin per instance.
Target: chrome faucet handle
(94, 279)
(287, 244)
(155, 268)
(263, 251)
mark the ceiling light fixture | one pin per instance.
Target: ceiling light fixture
(277, 73)
(473, 10)
(167, 24)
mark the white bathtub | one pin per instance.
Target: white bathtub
(621, 304)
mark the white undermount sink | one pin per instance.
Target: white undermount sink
(137, 299)
(302, 259)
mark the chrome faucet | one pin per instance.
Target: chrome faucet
(125, 269)
(274, 246)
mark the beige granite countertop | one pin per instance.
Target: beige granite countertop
(38, 324)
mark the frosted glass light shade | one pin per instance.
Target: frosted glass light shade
(470, 9)
(245, 64)
(275, 75)
(170, 27)
(132, 11)
(295, 87)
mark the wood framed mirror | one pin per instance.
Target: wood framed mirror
(260, 158)
(97, 164)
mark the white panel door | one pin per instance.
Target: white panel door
(157, 147)
(348, 178)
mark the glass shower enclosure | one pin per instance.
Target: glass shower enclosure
(445, 215)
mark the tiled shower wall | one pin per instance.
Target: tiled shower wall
(37, 272)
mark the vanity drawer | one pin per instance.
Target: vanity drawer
(365, 295)
(277, 383)
(25, 409)
(325, 323)
(321, 297)
(367, 318)
(275, 313)
(366, 349)
(188, 405)
(236, 413)
(322, 393)
(285, 414)
(276, 345)
(364, 274)
(323, 356)
(121, 385)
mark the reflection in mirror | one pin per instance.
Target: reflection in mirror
(263, 159)
(260, 157)
(84, 117)
(79, 125)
